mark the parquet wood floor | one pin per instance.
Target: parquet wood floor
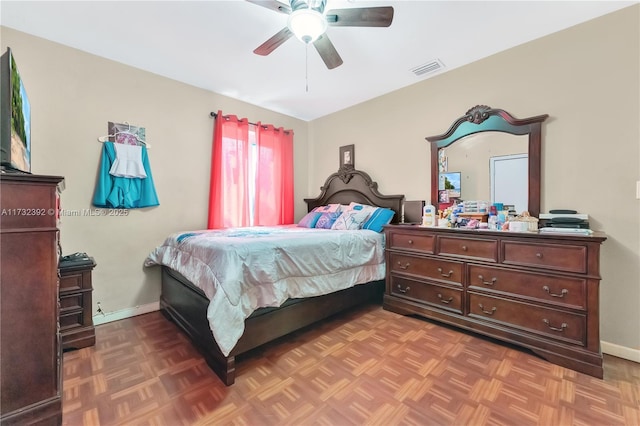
(369, 367)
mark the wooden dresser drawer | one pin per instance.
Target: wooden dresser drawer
(560, 257)
(70, 320)
(27, 205)
(557, 324)
(70, 303)
(553, 289)
(431, 294)
(412, 241)
(484, 249)
(71, 282)
(431, 268)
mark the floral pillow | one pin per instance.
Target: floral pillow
(309, 220)
(361, 207)
(326, 220)
(351, 220)
(329, 208)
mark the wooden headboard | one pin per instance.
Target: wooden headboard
(349, 185)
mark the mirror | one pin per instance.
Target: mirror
(488, 154)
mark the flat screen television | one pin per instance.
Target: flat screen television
(15, 118)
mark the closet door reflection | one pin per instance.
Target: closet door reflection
(510, 180)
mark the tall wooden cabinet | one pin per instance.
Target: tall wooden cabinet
(30, 350)
(536, 290)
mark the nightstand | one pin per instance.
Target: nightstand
(76, 323)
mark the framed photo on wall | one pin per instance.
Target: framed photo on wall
(347, 157)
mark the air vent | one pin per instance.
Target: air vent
(428, 68)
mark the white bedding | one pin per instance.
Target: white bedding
(243, 269)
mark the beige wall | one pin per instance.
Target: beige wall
(586, 82)
(587, 79)
(73, 95)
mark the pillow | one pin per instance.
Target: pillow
(326, 220)
(309, 220)
(330, 208)
(350, 220)
(379, 218)
(362, 207)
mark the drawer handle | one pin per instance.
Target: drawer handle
(464, 248)
(539, 255)
(405, 266)
(487, 312)
(562, 293)
(561, 328)
(403, 290)
(492, 282)
(410, 241)
(447, 301)
(447, 275)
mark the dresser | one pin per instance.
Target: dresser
(30, 351)
(76, 323)
(535, 290)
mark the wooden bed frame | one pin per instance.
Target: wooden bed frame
(186, 305)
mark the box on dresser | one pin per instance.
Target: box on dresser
(30, 351)
(538, 291)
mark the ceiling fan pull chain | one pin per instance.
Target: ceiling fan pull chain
(306, 67)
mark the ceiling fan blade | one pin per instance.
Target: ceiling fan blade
(270, 45)
(361, 17)
(273, 5)
(327, 52)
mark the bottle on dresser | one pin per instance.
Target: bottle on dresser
(429, 215)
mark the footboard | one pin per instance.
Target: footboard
(187, 307)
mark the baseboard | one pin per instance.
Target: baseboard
(621, 351)
(125, 313)
(607, 348)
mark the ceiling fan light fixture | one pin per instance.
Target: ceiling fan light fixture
(307, 24)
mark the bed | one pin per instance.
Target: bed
(188, 303)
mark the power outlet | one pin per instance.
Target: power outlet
(100, 311)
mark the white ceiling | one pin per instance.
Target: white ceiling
(209, 44)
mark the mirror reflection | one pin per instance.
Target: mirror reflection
(497, 155)
(489, 166)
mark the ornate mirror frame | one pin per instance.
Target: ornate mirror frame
(482, 118)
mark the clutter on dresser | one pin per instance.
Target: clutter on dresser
(429, 215)
(523, 223)
(412, 211)
(565, 221)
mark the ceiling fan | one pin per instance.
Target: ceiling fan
(308, 21)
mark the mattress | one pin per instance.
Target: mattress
(243, 269)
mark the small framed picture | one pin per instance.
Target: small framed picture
(347, 159)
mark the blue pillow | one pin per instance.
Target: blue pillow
(309, 220)
(325, 221)
(379, 218)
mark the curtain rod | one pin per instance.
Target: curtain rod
(215, 115)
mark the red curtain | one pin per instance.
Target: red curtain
(274, 176)
(234, 198)
(229, 189)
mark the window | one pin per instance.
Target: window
(251, 174)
